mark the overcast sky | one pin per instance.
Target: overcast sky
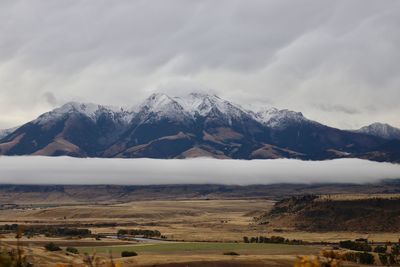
(66, 170)
(336, 61)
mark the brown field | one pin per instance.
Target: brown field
(223, 221)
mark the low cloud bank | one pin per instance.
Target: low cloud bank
(66, 170)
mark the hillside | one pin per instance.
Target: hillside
(55, 194)
(312, 213)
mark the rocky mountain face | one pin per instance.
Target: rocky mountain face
(195, 125)
(382, 130)
(5, 132)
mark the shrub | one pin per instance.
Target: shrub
(272, 239)
(383, 258)
(355, 245)
(350, 256)
(231, 253)
(330, 254)
(392, 260)
(134, 232)
(13, 258)
(128, 254)
(360, 257)
(366, 258)
(52, 247)
(72, 250)
(305, 261)
(380, 249)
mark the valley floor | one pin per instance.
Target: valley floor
(199, 232)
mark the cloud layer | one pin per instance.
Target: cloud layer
(337, 61)
(66, 170)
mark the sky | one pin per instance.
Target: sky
(67, 170)
(335, 61)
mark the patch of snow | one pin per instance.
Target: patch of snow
(382, 130)
(158, 106)
(203, 104)
(5, 132)
(279, 118)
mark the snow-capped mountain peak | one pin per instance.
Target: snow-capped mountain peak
(158, 106)
(176, 108)
(186, 107)
(278, 118)
(164, 126)
(192, 105)
(382, 130)
(90, 110)
(203, 104)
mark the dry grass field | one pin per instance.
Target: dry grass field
(202, 231)
(188, 220)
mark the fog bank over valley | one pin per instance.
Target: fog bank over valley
(66, 170)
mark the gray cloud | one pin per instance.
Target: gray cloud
(65, 170)
(292, 53)
(50, 98)
(337, 108)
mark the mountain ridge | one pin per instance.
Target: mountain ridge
(382, 130)
(196, 124)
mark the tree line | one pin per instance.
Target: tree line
(139, 232)
(272, 239)
(49, 231)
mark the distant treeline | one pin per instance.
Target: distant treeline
(31, 230)
(141, 232)
(272, 239)
(353, 245)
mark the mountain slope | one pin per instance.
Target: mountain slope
(74, 129)
(196, 120)
(382, 130)
(189, 126)
(5, 132)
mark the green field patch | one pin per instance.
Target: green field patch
(198, 247)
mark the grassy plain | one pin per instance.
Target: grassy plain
(208, 228)
(206, 247)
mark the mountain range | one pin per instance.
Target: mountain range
(195, 125)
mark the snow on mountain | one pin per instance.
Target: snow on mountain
(276, 118)
(382, 130)
(5, 132)
(165, 126)
(160, 106)
(90, 110)
(203, 104)
(181, 109)
(188, 107)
